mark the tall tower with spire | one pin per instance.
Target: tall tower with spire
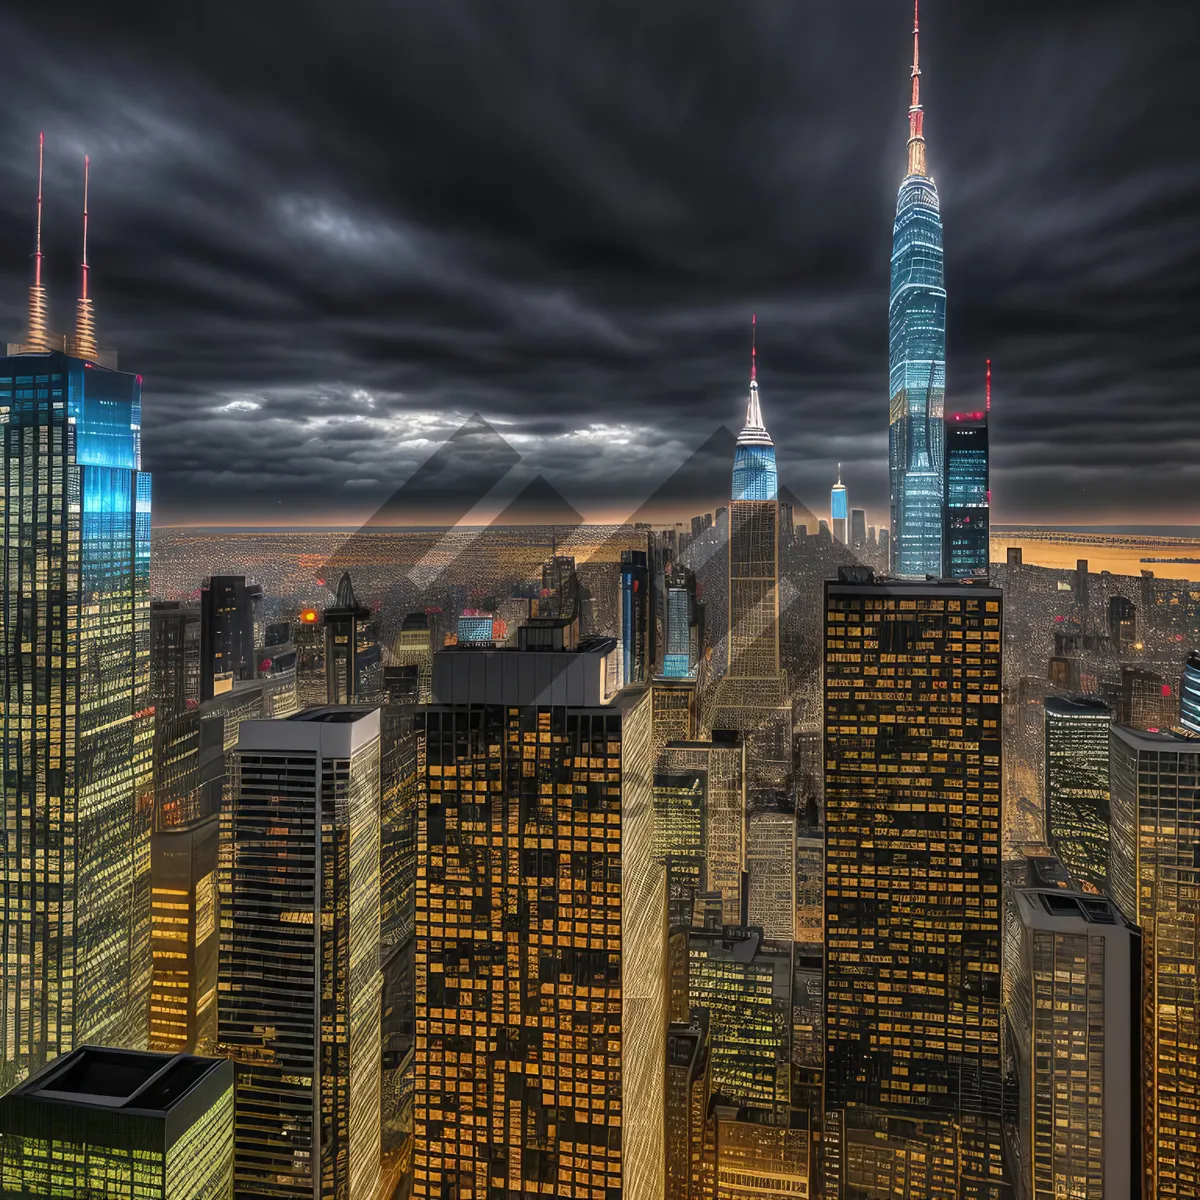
(917, 357)
(37, 335)
(839, 513)
(85, 319)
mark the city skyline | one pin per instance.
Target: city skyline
(368, 291)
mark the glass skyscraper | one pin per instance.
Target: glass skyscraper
(77, 718)
(635, 617)
(967, 517)
(917, 358)
(1189, 694)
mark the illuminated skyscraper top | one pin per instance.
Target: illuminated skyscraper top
(754, 473)
(917, 318)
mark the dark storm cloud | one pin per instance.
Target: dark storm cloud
(328, 234)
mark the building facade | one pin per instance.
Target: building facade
(1077, 817)
(121, 1124)
(353, 662)
(912, 886)
(917, 358)
(228, 608)
(966, 536)
(1154, 871)
(77, 717)
(299, 976)
(635, 617)
(541, 929)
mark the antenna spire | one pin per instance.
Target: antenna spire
(839, 482)
(37, 339)
(754, 348)
(85, 318)
(989, 385)
(916, 115)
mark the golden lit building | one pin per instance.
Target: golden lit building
(687, 1093)
(541, 1005)
(675, 712)
(912, 892)
(414, 647)
(1154, 875)
(299, 981)
(771, 867)
(757, 1160)
(1076, 966)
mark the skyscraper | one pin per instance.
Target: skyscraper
(1189, 694)
(912, 892)
(683, 632)
(227, 610)
(771, 867)
(1077, 786)
(917, 357)
(965, 540)
(752, 696)
(75, 707)
(858, 528)
(541, 927)
(635, 617)
(353, 663)
(122, 1124)
(839, 512)
(1074, 1012)
(299, 975)
(414, 647)
(1154, 871)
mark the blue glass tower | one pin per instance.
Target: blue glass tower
(917, 359)
(967, 531)
(77, 719)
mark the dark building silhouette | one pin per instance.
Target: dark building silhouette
(227, 607)
(174, 655)
(965, 538)
(353, 670)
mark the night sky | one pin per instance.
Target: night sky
(328, 233)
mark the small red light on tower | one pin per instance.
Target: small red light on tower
(1166, 690)
(309, 616)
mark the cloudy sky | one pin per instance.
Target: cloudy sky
(327, 234)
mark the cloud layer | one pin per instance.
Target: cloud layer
(328, 234)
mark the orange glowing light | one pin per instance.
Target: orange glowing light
(309, 616)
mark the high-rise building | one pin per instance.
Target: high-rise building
(353, 663)
(912, 891)
(228, 605)
(1147, 700)
(76, 710)
(1189, 694)
(684, 631)
(635, 617)
(839, 514)
(858, 528)
(299, 974)
(541, 928)
(917, 319)
(674, 704)
(174, 656)
(745, 984)
(719, 769)
(1075, 1017)
(966, 536)
(309, 640)
(414, 647)
(1122, 623)
(1154, 871)
(687, 1097)
(1077, 786)
(184, 908)
(810, 892)
(752, 696)
(771, 867)
(126, 1125)
(756, 1160)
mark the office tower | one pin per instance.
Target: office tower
(810, 891)
(967, 488)
(353, 663)
(1077, 786)
(1147, 700)
(398, 1042)
(912, 871)
(541, 927)
(183, 937)
(1122, 624)
(1189, 694)
(299, 977)
(917, 359)
(858, 528)
(123, 1124)
(720, 767)
(839, 513)
(1153, 874)
(687, 1087)
(756, 1160)
(885, 545)
(174, 656)
(752, 697)
(475, 627)
(76, 711)
(227, 610)
(745, 984)
(398, 814)
(635, 617)
(414, 647)
(684, 636)
(680, 792)
(1075, 1018)
(309, 640)
(771, 866)
(674, 712)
